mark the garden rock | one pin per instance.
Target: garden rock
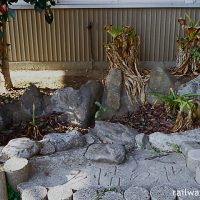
(192, 87)
(111, 195)
(65, 141)
(187, 146)
(107, 153)
(160, 75)
(197, 177)
(21, 147)
(142, 140)
(193, 159)
(115, 97)
(138, 193)
(32, 95)
(115, 133)
(162, 193)
(112, 92)
(85, 194)
(78, 106)
(34, 193)
(60, 193)
(47, 147)
(172, 142)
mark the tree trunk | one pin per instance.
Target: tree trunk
(4, 59)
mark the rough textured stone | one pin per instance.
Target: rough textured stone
(65, 141)
(187, 146)
(115, 133)
(162, 193)
(188, 193)
(32, 95)
(108, 153)
(85, 194)
(169, 142)
(115, 97)
(193, 159)
(138, 193)
(47, 147)
(112, 196)
(142, 140)
(60, 193)
(35, 193)
(192, 87)
(112, 91)
(160, 75)
(21, 147)
(3, 185)
(197, 175)
(78, 106)
(142, 168)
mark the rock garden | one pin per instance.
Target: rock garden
(107, 139)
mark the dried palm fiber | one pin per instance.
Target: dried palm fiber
(123, 53)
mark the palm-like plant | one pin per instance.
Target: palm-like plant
(180, 105)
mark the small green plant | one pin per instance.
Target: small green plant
(176, 148)
(180, 105)
(33, 129)
(12, 195)
(102, 109)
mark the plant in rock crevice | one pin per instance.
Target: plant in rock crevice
(33, 129)
(123, 53)
(188, 48)
(185, 107)
(102, 109)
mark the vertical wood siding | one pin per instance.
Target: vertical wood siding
(67, 39)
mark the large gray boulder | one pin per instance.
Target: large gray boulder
(32, 95)
(107, 153)
(192, 87)
(115, 97)
(160, 81)
(22, 148)
(78, 106)
(174, 141)
(114, 133)
(64, 141)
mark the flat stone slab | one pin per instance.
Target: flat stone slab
(85, 194)
(138, 193)
(107, 153)
(193, 159)
(198, 174)
(70, 170)
(170, 142)
(162, 193)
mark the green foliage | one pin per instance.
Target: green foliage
(39, 5)
(179, 104)
(12, 195)
(195, 53)
(176, 148)
(100, 111)
(188, 58)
